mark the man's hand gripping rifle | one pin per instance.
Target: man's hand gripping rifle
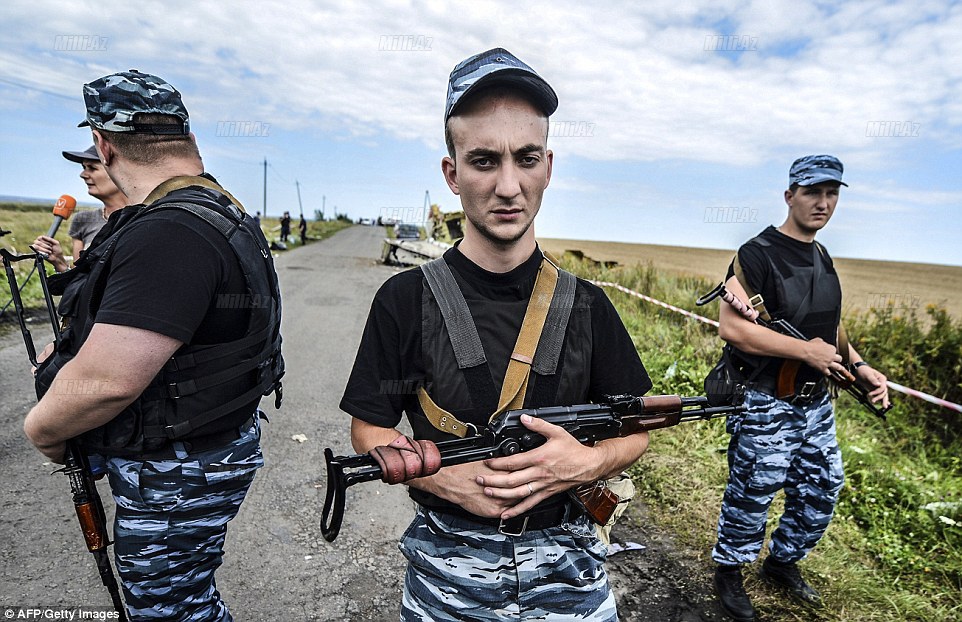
(83, 487)
(786, 377)
(620, 415)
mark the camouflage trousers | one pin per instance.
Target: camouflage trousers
(459, 570)
(777, 445)
(171, 524)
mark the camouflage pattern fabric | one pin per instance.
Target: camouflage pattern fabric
(171, 524)
(497, 66)
(112, 101)
(815, 169)
(777, 445)
(460, 570)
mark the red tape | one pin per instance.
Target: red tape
(892, 385)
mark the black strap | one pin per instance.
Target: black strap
(462, 330)
(182, 429)
(552, 335)
(217, 351)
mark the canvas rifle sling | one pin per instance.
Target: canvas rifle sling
(185, 181)
(755, 300)
(545, 322)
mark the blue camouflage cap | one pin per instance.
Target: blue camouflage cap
(497, 66)
(112, 101)
(815, 169)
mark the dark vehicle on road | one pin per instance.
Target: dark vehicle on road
(407, 232)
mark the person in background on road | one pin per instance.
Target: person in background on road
(302, 230)
(171, 354)
(285, 227)
(85, 223)
(499, 539)
(786, 442)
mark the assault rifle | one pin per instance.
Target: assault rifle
(616, 416)
(785, 385)
(83, 487)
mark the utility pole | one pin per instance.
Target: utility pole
(299, 204)
(265, 187)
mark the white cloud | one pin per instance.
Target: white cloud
(641, 75)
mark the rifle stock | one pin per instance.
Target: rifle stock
(617, 416)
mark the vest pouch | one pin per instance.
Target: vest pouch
(726, 381)
(124, 434)
(47, 371)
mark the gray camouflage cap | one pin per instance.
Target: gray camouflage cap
(497, 66)
(112, 101)
(815, 169)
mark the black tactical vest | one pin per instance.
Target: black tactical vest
(470, 393)
(200, 384)
(821, 319)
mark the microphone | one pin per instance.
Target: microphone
(62, 210)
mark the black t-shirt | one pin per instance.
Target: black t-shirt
(791, 258)
(167, 273)
(390, 350)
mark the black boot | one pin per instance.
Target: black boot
(731, 593)
(789, 577)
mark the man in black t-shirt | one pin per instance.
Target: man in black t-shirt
(497, 539)
(172, 323)
(788, 441)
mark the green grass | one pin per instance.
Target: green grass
(894, 549)
(25, 222)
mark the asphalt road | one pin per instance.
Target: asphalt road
(277, 565)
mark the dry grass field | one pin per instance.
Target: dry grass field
(865, 284)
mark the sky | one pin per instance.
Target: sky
(677, 123)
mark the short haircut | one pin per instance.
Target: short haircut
(496, 91)
(146, 148)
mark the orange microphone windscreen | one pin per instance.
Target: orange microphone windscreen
(64, 206)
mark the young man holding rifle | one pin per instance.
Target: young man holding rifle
(786, 439)
(499, 539)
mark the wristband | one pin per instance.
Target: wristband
(859, 364)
